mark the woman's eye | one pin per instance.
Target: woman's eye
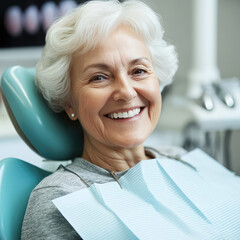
(139, 71)
(97, 78)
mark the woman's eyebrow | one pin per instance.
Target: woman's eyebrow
(141, 59)
(107, 67)
(97, 65)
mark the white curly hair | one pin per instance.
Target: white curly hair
(87, 26)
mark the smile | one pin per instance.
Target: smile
(128, 114)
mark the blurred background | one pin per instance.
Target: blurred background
(202, 106)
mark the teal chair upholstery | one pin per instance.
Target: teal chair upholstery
(51, 135)
(17, 180)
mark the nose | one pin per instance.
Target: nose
(124, 89)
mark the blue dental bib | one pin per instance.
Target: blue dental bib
(159, 199)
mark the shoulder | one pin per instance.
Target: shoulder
(61, 179)
(167, 151)
(53, 186)
(172, 150)
(56, 185)
(42, 219)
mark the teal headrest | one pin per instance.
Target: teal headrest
(52, 135)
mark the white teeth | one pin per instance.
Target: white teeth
(128, 114)
(125, 115)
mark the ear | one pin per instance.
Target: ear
(70, 112)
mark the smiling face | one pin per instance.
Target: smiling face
(115, 92)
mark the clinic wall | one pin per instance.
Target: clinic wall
(229, 58)
(177, 21)
(176, 18)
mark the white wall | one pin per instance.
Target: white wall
(177, 21)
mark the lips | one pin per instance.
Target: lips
(125, 114)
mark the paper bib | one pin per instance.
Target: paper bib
(159, 199)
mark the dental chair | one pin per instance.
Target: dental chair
(51, 135)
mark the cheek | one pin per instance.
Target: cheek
(87, 115)
(153, 94)
(156, 93)
(155, 100)
(89, 106)
(156, 105)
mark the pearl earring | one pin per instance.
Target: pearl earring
(73, 115)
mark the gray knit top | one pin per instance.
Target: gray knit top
(43, 220)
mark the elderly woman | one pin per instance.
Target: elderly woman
(105, 65)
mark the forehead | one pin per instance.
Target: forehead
(122, 44)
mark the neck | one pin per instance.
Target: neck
(113, 158)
